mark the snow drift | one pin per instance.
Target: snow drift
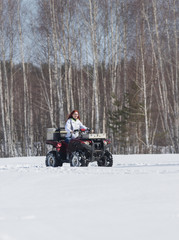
(138, 198)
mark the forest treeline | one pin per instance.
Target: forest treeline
(116, 61)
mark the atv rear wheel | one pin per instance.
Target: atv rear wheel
(52, 160)
(106, 160)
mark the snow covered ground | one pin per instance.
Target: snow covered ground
(136, 199)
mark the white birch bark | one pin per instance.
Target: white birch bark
(12, 22)
(26, 142)
(55, 64)
(125, 9)
(5, 97)
(93, 18)
(176, 99)
(144, 95)
(163, 83)
(60, 77)
(64, 50)
(6, 91)
(112, 48)
(50, 98)
(7, 107)
(161, 97)
(5, 143)
(69, 29)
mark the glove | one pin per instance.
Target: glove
(76, 130)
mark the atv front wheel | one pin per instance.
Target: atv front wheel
(106, 160)
(83, 160)
(75, 159)
(52, 160)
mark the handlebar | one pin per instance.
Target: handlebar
(88, 130)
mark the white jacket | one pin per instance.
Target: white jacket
(72, 125)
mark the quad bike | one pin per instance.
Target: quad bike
(79, 152)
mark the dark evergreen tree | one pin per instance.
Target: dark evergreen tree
(126, 114)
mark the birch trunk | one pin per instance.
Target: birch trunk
(11, 100)
(160, 97)
(163, 83)
(7, 107)
(55, 69)
(5, 96)
(5, 93)
(93, 16)
(64, 49)
(5, 143)
(112, 49)
(30, 118)
(50, 98)
(69, 28)
(25, 141)
(144, 95)
(125, 9)
(176, 98)
(60, 78)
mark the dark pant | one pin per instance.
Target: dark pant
(67, 139)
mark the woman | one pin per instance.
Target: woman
(73, 123)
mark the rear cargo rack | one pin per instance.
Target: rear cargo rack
(54, 134)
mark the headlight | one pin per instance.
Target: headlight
(86, 142)
(58, 145)
(106, 142)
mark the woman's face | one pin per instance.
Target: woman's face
(75, 115)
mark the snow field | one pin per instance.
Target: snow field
(138, 198)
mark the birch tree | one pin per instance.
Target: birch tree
(93, 9)
(144, 89)
(176, 85)
(26, 93)
(5, 142)
(7, 33)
